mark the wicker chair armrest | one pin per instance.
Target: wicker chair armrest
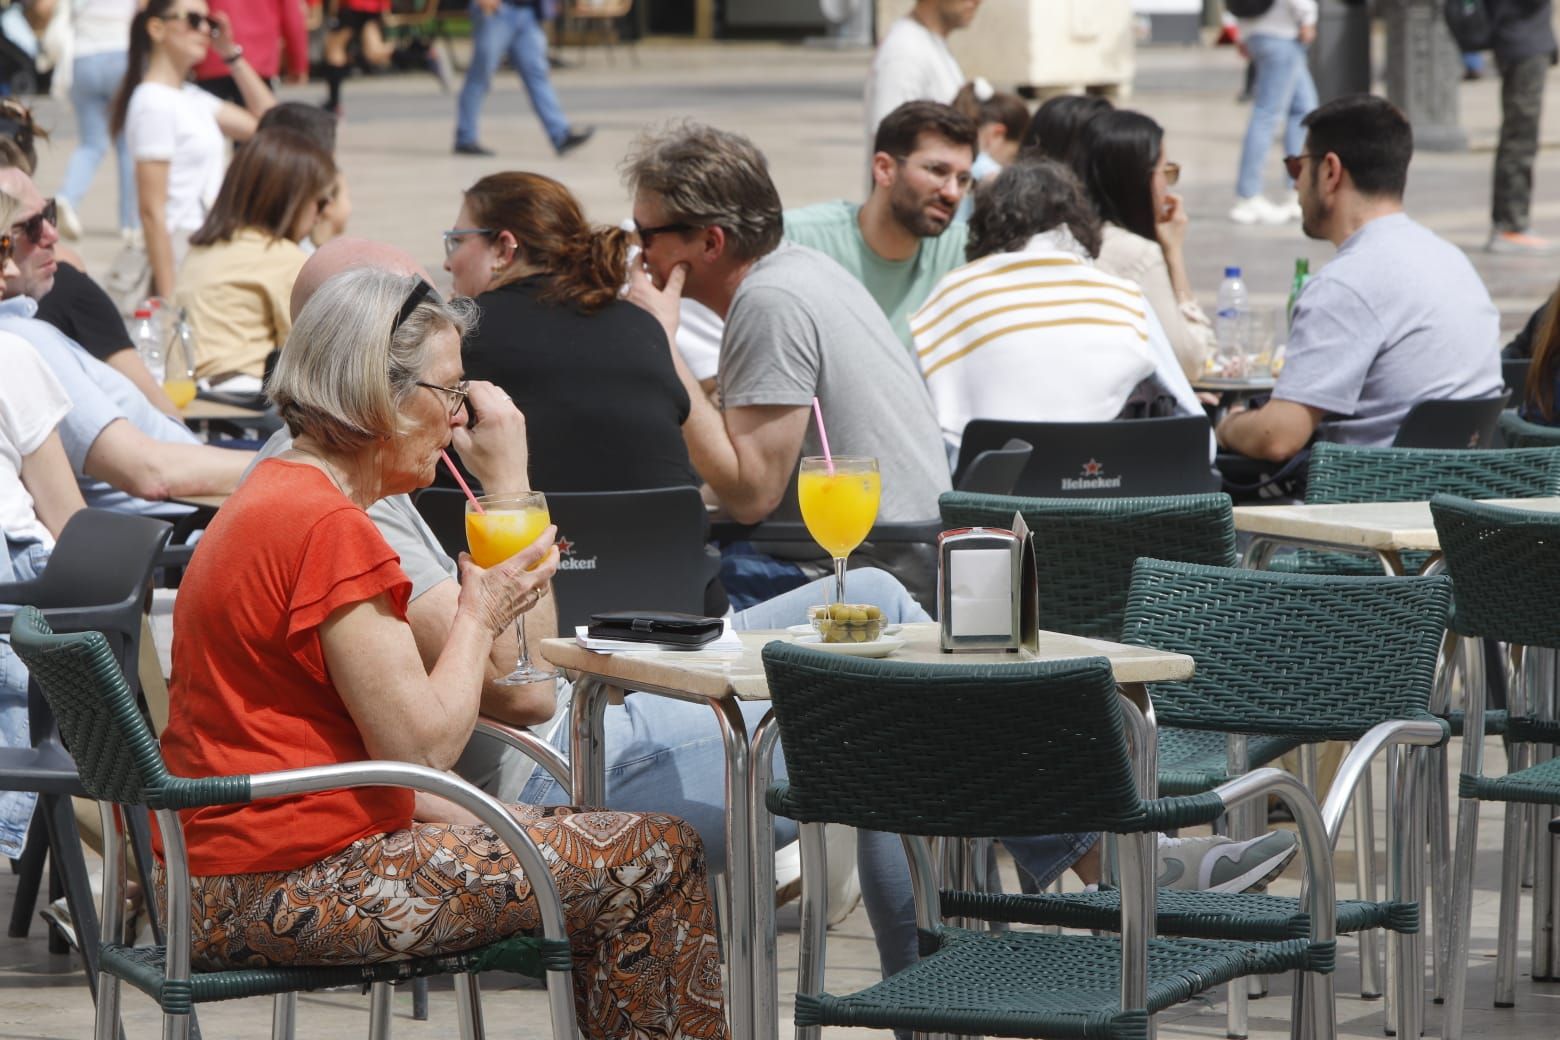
(1429, 731)
(530, 745)
(487, 809)
(1320, 893)
(1186, 810)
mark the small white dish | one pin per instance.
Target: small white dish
(880, 647)
(808, 630)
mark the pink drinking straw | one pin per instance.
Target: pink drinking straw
(462, 482)
(823, 436)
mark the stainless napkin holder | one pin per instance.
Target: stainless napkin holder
(987, 589)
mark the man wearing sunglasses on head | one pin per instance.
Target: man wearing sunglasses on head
(126, 454)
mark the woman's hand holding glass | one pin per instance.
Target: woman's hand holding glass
(499, 595)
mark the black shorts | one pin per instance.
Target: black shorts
(354, 20)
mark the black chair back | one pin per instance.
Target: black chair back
(1452, 424)
(995, 472)
(1514, 373)
(1119, 459)
(619, 550)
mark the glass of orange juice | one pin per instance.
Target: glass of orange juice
(839, 500)
(179, 372)
(506, 525)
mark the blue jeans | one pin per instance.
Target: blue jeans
(514, 30)
(1283, 89)
(666, 756)
(95, 79)
(21, 561)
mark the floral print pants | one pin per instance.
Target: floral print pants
(646, 957)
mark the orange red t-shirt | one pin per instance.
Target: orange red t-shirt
(251, 692)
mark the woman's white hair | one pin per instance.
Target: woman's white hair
(346, 368)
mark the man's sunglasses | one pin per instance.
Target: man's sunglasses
(195, 20)
(32, 227)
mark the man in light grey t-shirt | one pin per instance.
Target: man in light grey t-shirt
(1398, 317)
(797, 326)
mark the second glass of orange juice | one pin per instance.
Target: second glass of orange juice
(839, 500)
(506, 525)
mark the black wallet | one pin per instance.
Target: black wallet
(650, 626)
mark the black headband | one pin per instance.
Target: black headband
(414, 299)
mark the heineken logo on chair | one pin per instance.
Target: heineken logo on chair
(1091, 477)
(568, 561)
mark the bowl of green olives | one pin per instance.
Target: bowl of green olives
(846, 622)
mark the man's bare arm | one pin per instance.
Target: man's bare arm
(1275, 432)
(129, 460)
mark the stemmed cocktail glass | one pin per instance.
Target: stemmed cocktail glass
(503, 526)
(839, 500)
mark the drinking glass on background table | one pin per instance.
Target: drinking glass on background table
(179, 370)
(839, 501)
(505, 525)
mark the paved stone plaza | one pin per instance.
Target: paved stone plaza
(802, 106)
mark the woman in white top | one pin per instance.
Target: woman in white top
(1030, 330)
(1129, 180)
(101, 35)
(174, 129)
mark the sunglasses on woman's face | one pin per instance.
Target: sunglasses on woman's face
(32, 227)
(195, 20)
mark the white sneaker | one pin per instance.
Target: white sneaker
(70, 224)
(1256, 210)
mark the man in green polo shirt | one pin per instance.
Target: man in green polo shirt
(903, 238)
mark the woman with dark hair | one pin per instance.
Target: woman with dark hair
(1129, 180)
(237, 280)
(174, 129)
(1054, 131)
(1098, 349)
(593, 374)
(1541, 394)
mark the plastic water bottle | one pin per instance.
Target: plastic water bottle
(149, 342)
(1231, 305)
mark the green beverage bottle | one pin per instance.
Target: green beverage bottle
(1302, 272)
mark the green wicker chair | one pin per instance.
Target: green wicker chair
(1519, 433)
(1346, 474)
(1505, 568)
(121, 765)
(1084, 552)
(1027, 748)
(1314, 657)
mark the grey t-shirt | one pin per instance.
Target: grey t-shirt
(1399, 316)
(800, 325)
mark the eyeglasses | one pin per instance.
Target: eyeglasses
(647, 234)
(940, 172)
(194, 19)
(32, 227)
(455, 236)
(458, 394)
(1172, 172)
(1292, 164)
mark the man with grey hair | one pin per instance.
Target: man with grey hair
(798, 327)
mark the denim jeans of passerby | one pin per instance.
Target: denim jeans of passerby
(95, 80)
(513, 30)
(666, 756)
(1283, 90)
(20, 562)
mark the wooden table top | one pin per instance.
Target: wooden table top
(1238, 385)
(1384, 526)
(741, 675)
(200, 410)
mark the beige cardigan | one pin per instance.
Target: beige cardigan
(1141, 260)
